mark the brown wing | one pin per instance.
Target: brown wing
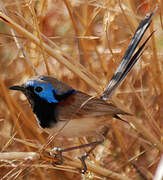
(82, 105)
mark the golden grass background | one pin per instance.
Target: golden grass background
(90, 38)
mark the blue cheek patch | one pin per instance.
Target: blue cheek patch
(46, 93)
(49, 93)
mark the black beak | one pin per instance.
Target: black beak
(18, 88)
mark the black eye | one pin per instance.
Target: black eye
(38, 89)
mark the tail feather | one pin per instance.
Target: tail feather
(128, 60)
(133, 60)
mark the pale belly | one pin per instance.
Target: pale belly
(80, 127)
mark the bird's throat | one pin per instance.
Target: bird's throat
(46, 113)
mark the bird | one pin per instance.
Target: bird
(54, 102)
(60, 108)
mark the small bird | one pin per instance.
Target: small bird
(59, 107)
(53, 102)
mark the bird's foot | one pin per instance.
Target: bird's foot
(82, 159)
(57, 154)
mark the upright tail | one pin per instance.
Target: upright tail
(128, 60)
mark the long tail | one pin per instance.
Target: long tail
(128, 60)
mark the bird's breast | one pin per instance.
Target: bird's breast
(46, 113)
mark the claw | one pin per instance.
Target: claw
(58, 155)
(84, 169)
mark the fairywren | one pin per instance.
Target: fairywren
(54, 102)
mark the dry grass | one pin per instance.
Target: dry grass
(81, 43)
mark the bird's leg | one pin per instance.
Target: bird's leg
(60, 150)
(82, 158)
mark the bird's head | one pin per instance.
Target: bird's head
(44, 88)
(44, 93)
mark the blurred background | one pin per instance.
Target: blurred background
(93, 36)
